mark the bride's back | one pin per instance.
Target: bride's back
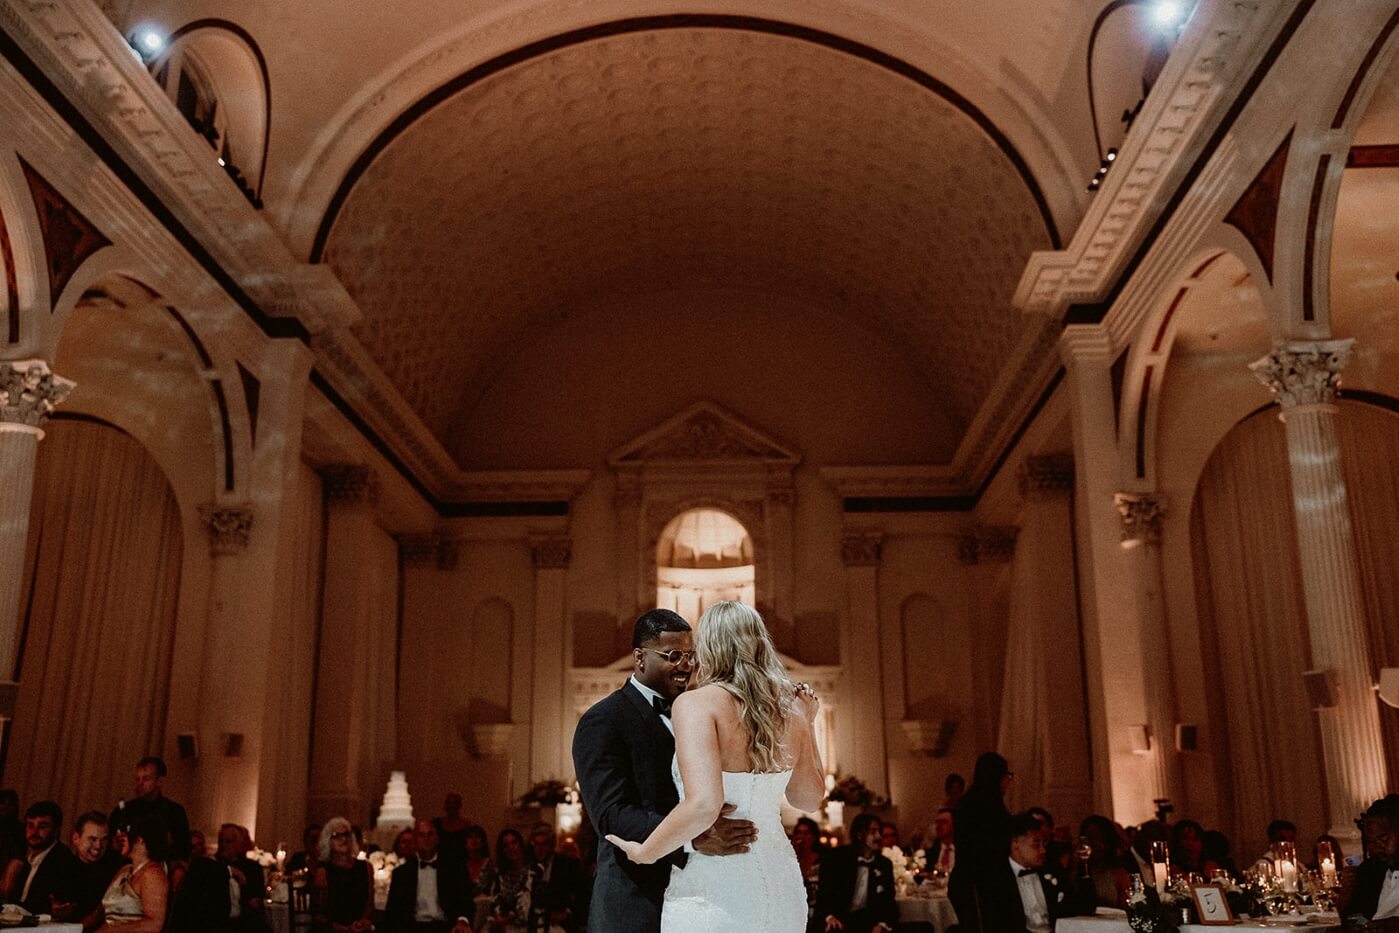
(734, 737)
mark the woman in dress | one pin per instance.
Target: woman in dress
(479, 868)
(1109, 867)
(806, 843)
(345, 881)
(510, 909)
(743, 735)
(451, 829)
(136, 899)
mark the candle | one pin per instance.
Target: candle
(1328, 872)
(1162, 875)
(1287, 874)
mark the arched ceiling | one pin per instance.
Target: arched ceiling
(658, 158)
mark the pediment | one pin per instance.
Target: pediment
(703, 433)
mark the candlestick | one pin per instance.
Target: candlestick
(1287, 874)
(1328, 872)
(1161, 865)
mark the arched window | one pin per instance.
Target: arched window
(703, 556)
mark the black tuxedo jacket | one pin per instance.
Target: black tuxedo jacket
(1003, 912)
(202, 902)
(453, 893)
(621, 754)
(57, 878)
(1364, 897)
(836, 886)
(561, 892)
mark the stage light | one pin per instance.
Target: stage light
(1168, 14)
(147, 43)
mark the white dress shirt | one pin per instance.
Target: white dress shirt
(651, 698)
(428, 906)
(34, 862)
(1388, 904)
(1031, 899)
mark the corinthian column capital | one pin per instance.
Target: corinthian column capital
(1142, 517)
(29, 392)
(1304, 373)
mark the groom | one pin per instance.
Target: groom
(621, 753)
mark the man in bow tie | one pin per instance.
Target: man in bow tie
(1025, 897)
(622, 751)
(1370, 896)
(426, 894)
(855, 892)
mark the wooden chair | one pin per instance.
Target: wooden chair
(305, 905)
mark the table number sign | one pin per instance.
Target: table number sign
(1211, 906)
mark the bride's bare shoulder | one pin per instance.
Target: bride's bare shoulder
(710, 696)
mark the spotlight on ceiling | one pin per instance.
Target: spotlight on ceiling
(147, 42)
(1169, 14)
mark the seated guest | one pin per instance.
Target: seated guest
(135, 901)
(451, 828)
(222, 894)
(1216, 853)
(149, 800)
(1147, 833)
(98, 864)
(1024, 897)
(310, 854)
(51, 875)
(428, 894)
(344, 880)
(856, 888)
(480, 870)
(1109, 868)
(198, 844)
(403, 844)
(952, 789)
(557, 883)
(806, 836)
(888, 835)
(1280, 831)
(510, 909)
(1336, 853)
(941, 853)
(1188, 847)
(1372, 898)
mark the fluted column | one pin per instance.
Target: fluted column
(29, 391)
(1142, 515)
(1303, 378)
(861, 551)
(551, 556)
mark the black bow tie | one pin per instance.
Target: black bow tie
(661, 706)
(1025, 871)
(432, 864)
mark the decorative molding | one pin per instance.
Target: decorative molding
(1304, 373)
(230, 527)
(349, 485)
(1047, 476)
(992, 544)
(1143, 514)
(29, 392)
(861, 548)
(551, 553)
(703, 433)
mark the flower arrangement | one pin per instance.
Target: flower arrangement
(263, 858)
(550, 793)
(907, 868)
(853, 791)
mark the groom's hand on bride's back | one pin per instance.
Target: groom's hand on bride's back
(726, 836)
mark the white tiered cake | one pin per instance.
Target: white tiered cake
(395, 812)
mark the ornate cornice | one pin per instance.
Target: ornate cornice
(551, 553)
(349, 485)
(230, 527)
(1304, 373)
(861, 548)
(29, 392)
(1046, 476)
(1142, 517)
(428, 551)
(992, 544)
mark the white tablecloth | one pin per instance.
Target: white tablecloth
(936, 910)
(1113, 925)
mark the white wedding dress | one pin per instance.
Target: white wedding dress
(757, 890)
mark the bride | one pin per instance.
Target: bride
(743, 736)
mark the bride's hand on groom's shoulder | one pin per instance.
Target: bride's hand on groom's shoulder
(630, 849)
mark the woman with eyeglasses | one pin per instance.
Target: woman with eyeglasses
(345, 882)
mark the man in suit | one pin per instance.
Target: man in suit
(1024, 897)
(855, 892)
(621, 753)
(150, 800)
(98, 864)
(222, 894)
(429, 894)
(1371, 901)
(557, 883)
(941, 853)
(51, 878)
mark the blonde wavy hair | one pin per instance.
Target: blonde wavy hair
(733, 650)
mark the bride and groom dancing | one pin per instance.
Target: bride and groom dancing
(688, 798)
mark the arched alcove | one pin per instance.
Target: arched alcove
(704, 556)
(103, 576)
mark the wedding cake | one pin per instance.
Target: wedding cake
(395, 812)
